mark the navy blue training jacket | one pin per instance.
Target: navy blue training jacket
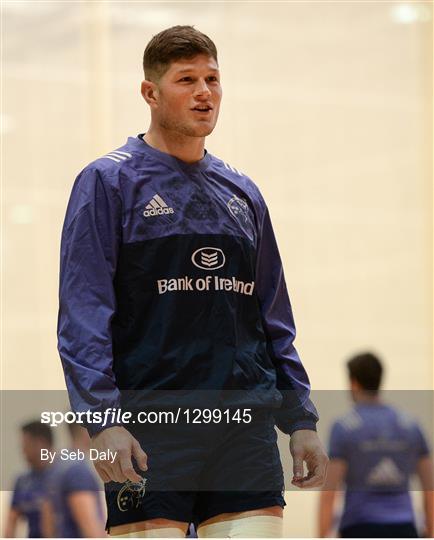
(171, 279)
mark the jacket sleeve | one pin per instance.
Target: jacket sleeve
(297, 411)
(89, 249)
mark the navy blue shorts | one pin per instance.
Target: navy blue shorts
(380, 530)
(197, 472)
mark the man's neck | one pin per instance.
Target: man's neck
(188, 149)
(366, 398)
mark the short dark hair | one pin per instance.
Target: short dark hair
(38, 430)
(173, 44)
(367, 370)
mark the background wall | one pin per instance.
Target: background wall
(327, 106)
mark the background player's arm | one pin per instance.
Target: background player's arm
(11, 522)
(84, 509)
(330, 492)
(425, 472)
(48, 526)
(14, 513)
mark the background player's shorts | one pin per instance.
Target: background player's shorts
(380, 530)
(197, 472)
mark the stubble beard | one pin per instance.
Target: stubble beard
(181, 130)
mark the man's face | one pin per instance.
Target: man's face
(189, 96)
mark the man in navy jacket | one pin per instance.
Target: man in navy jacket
(172, 285)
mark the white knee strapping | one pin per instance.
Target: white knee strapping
(246, 527)
(167, 532)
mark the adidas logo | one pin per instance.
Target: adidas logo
(386, 473)
(157, 207)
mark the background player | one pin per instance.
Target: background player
(145, 223)
(72, 508)
(373, 452)
(30, 487)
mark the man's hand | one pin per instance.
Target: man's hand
(306, 446)
(118, 439)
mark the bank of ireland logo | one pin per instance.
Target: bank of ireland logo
(208, 258)
(239, 208)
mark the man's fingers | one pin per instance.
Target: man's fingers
(315, 481)
(306, 446)
(127, 469)
(116, 472)
(316, 473)
(318, 469)
(111, 470)
(124, 445)
(140, 456)
(104, 476)
(312, 480)
(297, 467)
(102, 472)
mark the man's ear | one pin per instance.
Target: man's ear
(149, 91)
(354, 385)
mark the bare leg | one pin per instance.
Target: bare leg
(151, 528)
